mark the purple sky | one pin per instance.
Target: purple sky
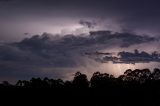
(52, 16)
(53, 54)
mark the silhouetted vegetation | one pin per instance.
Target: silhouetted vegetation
(138, 87)
(98, 80)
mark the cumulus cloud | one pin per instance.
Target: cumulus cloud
(45, 55)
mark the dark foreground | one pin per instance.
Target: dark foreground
(82, 97)
(134, 88)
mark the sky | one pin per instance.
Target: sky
(56, 38)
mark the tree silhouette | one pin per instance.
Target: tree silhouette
(36, 83)
(67, 84)
(139, 87)
(156, 74)
(19, 83)
(98, 79)
(137, 75)
(101, 80)
(6, 83)
(80, 80)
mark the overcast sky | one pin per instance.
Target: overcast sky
(53, 54)
(55, 16)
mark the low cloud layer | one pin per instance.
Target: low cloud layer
(57, 56)
(128, 57)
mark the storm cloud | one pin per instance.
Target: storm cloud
(46, 54)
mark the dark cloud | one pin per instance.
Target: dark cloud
(131, 58)
(122, 39)
(98, 53)
(37, 55)
(31, 56)
(139, 57)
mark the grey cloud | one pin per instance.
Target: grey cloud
(131, 58)
(49, 52)
(88, 24)
(64, 51)
(123, 39)
(70, 43)
(139, 57)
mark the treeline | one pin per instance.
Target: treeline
(133, 88)
(130, 77)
